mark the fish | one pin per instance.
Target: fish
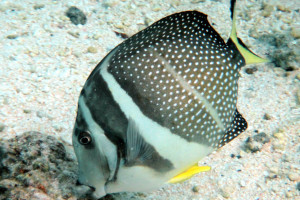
(158, 103)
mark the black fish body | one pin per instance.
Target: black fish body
(182, 75)
(158, 103)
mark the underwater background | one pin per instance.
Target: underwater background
(48, 49)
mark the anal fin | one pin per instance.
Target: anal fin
(238, 125)
(189, 173)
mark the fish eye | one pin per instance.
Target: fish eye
(84, 138)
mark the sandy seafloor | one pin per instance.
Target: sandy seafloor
(45, 61)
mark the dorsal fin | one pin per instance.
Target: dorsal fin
(249, 56)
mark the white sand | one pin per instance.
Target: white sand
(44, 68)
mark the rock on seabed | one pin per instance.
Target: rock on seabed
(36, 166)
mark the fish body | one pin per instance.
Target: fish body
(158, 103)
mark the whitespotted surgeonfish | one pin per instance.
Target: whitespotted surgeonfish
(158, 103)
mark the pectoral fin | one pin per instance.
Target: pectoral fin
(137, 149)
(140, 152)
(189, 173)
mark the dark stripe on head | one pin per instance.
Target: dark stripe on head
(105, 111)
(80, 124)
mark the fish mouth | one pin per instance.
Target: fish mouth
(91, 188)
(99, 193)
(91, 191)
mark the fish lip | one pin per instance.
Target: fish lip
(93, 189)
(96, 194)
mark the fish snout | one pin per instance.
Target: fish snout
(78, 183)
